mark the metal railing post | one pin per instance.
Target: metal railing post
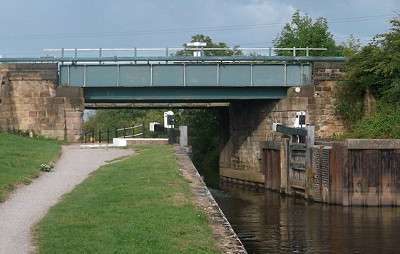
(99, 136)
(124, 132)
(92, 136)
(116, 132)
(108, 135)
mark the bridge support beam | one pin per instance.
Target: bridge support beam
(32, 104)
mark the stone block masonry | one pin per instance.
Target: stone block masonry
(249, 123)
(321, 105)
(32, 102)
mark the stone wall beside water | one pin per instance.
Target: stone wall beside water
(250, 122)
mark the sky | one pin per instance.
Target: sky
(28, 27)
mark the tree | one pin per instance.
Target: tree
(376, 69)
(303, 32)
(377, 66)
(351, 47)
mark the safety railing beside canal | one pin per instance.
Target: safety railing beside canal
(105, 136)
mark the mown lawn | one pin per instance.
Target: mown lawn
(20, 159)
(138, 205)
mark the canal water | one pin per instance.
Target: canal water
(266, 222)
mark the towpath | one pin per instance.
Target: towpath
(28, 205)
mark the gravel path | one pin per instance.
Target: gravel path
(27, 205)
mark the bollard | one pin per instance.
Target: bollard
(183, 137)
(170, 133)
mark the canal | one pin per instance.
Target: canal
(267, 222)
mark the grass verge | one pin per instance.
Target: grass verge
(20, 159)
(138, 205)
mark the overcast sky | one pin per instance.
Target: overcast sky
(27, 27)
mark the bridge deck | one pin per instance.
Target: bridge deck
(199, 75)
(179, 82)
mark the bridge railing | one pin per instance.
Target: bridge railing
(100, 136)
(197, 51)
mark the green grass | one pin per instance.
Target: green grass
(20, 159)
(138, 205)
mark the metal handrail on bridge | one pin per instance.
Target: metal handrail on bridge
(191, 59)
(167, 50)
(168, 57)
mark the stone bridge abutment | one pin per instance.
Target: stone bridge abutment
(247, 125)
(32, 102)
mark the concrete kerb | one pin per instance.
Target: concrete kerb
(139, 141)
(228, 241)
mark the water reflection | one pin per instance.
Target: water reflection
(269, 223)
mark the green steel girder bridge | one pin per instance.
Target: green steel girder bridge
(185, 79)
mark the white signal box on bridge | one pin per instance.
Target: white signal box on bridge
(196, 44)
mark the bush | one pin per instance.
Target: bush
(383, 123)
(349, 106)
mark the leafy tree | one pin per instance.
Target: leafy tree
(375, 68)
(303, 32)
(351, 47)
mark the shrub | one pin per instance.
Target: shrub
(383, 123)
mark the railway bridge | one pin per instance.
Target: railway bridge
(47, 96)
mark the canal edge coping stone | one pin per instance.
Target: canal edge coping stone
(227, 240)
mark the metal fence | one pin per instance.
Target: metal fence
(107, 135)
